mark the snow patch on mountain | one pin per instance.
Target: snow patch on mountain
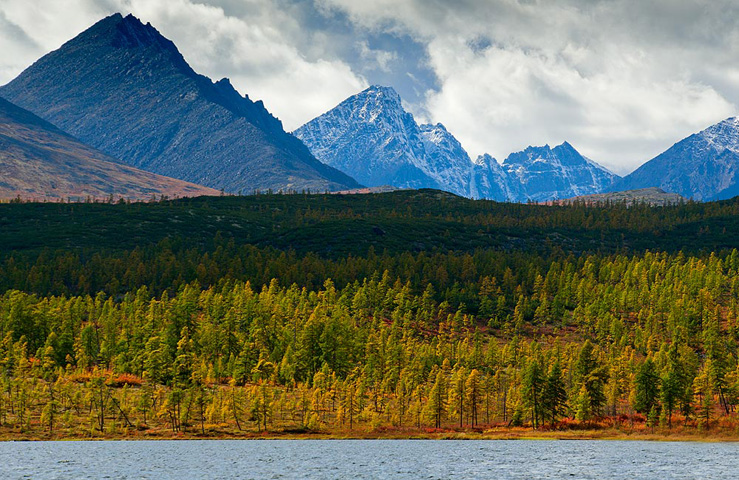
(372, 138)
(546, 173)
(703, 166)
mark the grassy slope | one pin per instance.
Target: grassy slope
(39, 161)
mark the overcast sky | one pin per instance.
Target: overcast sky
(621, 80)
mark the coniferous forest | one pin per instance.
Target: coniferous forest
(406, 313)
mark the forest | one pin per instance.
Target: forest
(411, 313)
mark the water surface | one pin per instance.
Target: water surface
(368, 459)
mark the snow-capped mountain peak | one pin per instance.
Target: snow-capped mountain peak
(703, 166)
(723, 135)
(371, 137)
(553, 173)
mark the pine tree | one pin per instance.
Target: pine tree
(457, 397)
(583, 405)
(436, 405)
(647, 385)
(592, 375)
(473, 392)
(532, 386)
(670, 392)
(554, 395)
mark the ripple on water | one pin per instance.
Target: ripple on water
(359, 460)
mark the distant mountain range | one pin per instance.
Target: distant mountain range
(40, 162)
(125, 95)
(546, 173)
(371, 137)
(124, 89)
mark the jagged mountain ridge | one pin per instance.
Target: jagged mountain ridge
(123, 88)
(561, 172)
(371, 137)
(703, 166)
(40, 162)
(489, 180)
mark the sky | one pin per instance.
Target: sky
(621, 80)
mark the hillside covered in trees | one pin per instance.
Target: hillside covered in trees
(405, 311)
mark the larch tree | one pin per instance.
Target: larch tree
(473, 395)
(436, 405)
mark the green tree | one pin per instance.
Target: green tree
(591, 375)
(436, 406)
(457, 393)
(474, 395)
(554, 395)
(647, 384)
(532, 388)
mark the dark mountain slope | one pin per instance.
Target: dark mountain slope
(123, 88)
(703, 166)
(39, 161)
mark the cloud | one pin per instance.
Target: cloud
(379, 58)
(256, 52)
(14, 39)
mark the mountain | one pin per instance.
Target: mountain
(703, 166)
(490, 181)
(546, 173)
(447, 161)
(40, 162)
(371, 137)
(651, 196)
(123, 88)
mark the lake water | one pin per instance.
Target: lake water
(368, 459)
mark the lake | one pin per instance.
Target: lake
(368, 459)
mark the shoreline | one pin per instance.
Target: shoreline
(491, 435)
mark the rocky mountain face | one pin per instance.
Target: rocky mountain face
(546, 173)
(489, 180)
(371, 137)
(40, 162)
(123, 88)
(704, 166)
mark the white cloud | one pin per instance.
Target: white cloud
(506, 99)
(29, 29)
(379, 59)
